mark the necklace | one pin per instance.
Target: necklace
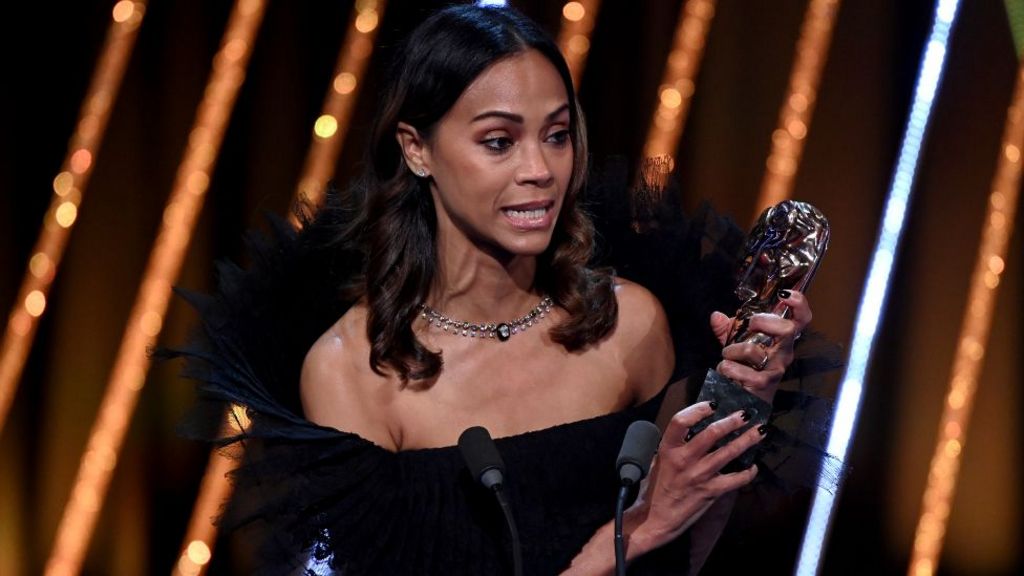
(501, 330)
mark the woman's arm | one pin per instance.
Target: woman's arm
(685, 483)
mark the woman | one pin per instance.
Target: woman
(473, 305)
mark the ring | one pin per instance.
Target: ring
(763, 363)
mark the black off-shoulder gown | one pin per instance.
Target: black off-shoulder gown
(321, 501)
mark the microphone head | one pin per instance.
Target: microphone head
(481, 456)
(638, 448)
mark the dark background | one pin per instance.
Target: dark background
(48, 53)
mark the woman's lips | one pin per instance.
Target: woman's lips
(530, 216)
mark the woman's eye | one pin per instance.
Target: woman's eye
(498, 144)
(561, 137)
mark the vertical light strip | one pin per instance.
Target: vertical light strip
(332, 125)
(798, 108)
(146, 319)
(197, 550)
(574, 35)
(876, 288)
(678, 80)
(328, 137)
(974, 334)
(68, 188)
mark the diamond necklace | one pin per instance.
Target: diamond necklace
(501, 330)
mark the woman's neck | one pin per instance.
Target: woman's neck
(475, 285)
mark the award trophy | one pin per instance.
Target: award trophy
(782, 253)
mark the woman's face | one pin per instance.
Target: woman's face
(501, 159)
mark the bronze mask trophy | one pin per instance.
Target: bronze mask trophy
(782, 252)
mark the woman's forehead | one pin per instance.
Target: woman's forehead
(526, 84)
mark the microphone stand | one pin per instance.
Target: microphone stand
(510, 521)
(486, 466)
(620, 544)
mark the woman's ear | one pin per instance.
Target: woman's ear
(414, 149)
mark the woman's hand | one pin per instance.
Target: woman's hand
(684, 480)
(759, 368)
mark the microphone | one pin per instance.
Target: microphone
(633, 463)
(638, 448)
(482, 457)
(486, 466)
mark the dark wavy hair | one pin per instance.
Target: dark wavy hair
(395, 223)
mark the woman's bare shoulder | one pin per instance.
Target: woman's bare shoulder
(337, 386)
(643, 339)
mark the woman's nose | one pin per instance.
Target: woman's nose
(534, 168)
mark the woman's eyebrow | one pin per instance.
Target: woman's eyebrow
(517, 118)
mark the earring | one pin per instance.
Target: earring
(421, 172)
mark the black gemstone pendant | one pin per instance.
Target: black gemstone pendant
(504, 331)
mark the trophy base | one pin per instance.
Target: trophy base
(731, 397)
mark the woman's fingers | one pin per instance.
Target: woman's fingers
(679, 426)
(721, 325)
(729, 452)
(759, 382)
(724, 483)
(800, 310)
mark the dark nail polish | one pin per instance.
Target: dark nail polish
(745, 416)
(744, 325)
(784, 294)
(763, 429)
(713, 404)
(689, 435)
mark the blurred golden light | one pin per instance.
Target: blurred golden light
(366, 5)
(197, 182)
(40, 265)
(579, 44)
(249, 7)
(664, 122)
(325, 126)
(797, 129)
(1012, 153)
(165, 261)
(671, 98)
(345, 83)
(235, 49)
(574, 11)
(974, 334)
(151, 323)
(21, 322)
(123, 10)
(952, 448)
(685, 87)
(367, 21)
(798, 109)
(187, 567)
(35, 303)
(239, 420)
(798, 102)
(198, 552)
(88, 126)
(66, 214)
(81, 160)
(991, 280)
(956, 399)
(678, 75)
(62, 183)
(99, 102)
